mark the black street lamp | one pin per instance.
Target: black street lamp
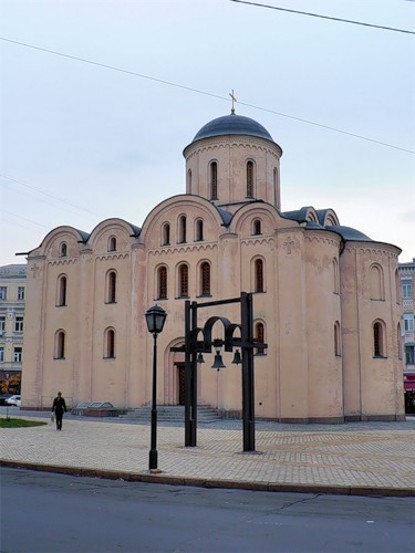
(155, 319)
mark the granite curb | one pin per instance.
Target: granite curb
(163, 478)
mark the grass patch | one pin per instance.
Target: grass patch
(18, 423)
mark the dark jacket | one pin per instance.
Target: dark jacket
(59, 405)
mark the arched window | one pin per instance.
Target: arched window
(111, 287)
(199, 230)
(109, 343)
(337, 339)
(275, 183)
(63, 250)
(182, 229)
(189, 180)
(205, 279)
(256, 227)
(250, 179)
(377, 291)
(335, 276)
(378, 340)
(165, 235)
(259, 275)
(112, 244)
(213, 180)
(183, 281)
(61, 291)
(59, 345)
(260, 337)
(162, 283)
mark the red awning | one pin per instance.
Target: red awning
(409, 385)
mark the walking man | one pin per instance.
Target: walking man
(59, 407)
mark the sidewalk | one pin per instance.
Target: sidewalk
(358, 458)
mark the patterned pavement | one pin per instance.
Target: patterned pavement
(355, 458)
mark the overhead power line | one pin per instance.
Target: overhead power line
(198, 91)
(310, 14)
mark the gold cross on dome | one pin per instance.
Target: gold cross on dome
(232, 95)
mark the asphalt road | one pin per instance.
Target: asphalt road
(50, 513)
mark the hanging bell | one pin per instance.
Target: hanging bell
(218, 362)
(237, 358)
(200, 359)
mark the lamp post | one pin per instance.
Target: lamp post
(155, 319)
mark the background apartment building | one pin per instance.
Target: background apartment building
(12, 304)
(407, 274)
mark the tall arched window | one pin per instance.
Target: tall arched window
(112, 244)
(111, 287)
(165, 235)
(213, 180)
(256, 227)
(63, 250)
(378, 340)
(337, 339)
(182, 229)
(199, 230)
(260, 337)
(377, 291)
(59, 345)
(162, 283)
(250, 179)
(109, 343)
(61, 291)
(183, 281)
(205, 279)
(399, 340)
(189, 180)
(259, 275)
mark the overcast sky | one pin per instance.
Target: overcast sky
(82, 143)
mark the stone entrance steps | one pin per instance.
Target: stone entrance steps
(172, 413)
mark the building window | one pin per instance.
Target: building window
(112, 244)
(408, 322)
(199, 230)
(111, 287)
(2, 324)
(337, 339)
(183, 281)
(256, 227)
(205, 279)
(260, 337)
(162, 283)
(213, 181)
(1, 353)
(259, 275)
(109, 344)
(189, 180)
(182, 229)
(399, 340)
(3, 292)
(376, 283)
(20, 292)
(59, 345)
(378, 340)
(17, 355)
(63, 250)
(250, 179)
(165, 235)
(409, 354)
(18, 324)
(62, 289)
(407, 289)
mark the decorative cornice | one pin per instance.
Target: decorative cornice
(251, 144)
(323, 239)
(200, 246)
(258, 241)
(112, 256)
(65, 261)
(372, 251)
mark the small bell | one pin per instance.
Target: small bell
(237, 358)
(218, 362)
(200, 359)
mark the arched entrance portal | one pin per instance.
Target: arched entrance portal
(174, 381)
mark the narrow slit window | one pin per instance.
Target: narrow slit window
(250, 179)
(162, 283)
(183, 281)
(213, 180)
(205, 278)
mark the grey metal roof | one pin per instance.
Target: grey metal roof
(349, 233)
(233, 124)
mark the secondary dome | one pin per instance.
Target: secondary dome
(232, 124)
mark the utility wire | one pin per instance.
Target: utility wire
(198, 91)
(382, 27)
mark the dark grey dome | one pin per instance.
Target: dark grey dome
(232, 124)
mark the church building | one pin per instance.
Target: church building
(326, 298)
